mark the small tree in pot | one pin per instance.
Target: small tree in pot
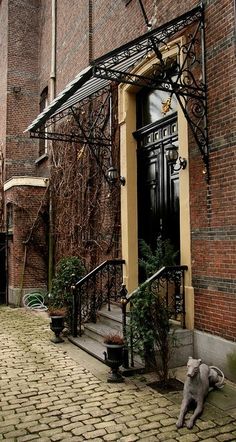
(150, 315)
(68, 270)
(153, 338)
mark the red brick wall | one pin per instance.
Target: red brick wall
(22, 76)
(72, 39)
(116, 24)
(213, 214)
(216, 312)
(3, 68)
(28, 204)
(44, 53)
(113, 24)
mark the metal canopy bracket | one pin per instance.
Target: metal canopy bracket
(185, 78)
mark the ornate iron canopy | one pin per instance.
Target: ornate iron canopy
(183, 75)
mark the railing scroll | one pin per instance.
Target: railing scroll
(169, 281)
(100, 286)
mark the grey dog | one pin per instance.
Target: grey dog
(200, 377)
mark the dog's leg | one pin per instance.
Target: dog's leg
(183, 411)
(196, 413)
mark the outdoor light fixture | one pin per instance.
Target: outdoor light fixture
(113, 176)
(172, 156)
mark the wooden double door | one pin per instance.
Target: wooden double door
(158, 182)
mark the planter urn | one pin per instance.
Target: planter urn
(57, 325)
(114, 357)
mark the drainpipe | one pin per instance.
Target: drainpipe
(52, 96)
(90, 24)
(53, 52)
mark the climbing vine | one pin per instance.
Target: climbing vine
(86, 209)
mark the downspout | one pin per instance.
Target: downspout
(53, 52)
(52, 96)
(90, 55)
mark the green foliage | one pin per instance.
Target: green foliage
(231, 359)
(150, 315)
(151, 329)
(151, 261)
(68, 270)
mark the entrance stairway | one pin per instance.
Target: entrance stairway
(91, 341)
(101, 306)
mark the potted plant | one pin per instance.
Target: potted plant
(114, 356)
(57, 316)
(68, 270)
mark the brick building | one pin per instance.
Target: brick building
(170, 85)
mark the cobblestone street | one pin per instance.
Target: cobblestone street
(48, 395)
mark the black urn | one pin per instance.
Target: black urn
(114, 357)
(57, 326)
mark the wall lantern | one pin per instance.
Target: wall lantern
(113, 176)
(172, 156)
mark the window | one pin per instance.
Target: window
(42, 104)
(10, 218)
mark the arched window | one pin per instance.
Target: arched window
(151, 106)
(9, 218)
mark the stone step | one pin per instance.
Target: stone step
(94, 348)
(97, 349)
(112, 318)
(99, 330)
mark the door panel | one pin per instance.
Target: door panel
(158, 183)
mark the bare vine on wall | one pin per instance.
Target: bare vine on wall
(86, 209)
(29, 237)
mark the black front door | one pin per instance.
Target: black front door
(158, 183)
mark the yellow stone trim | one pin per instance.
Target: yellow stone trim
(25, 181)
(129, 210)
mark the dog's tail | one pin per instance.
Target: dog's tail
(221, 383)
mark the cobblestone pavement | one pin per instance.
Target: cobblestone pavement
(47, 395)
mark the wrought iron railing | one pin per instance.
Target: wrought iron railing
(169, 282)
(100, 286)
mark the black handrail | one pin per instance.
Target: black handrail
(97, 269)
(156, 275)
(86, 304)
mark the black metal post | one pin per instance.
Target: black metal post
(123, 300)
(183, 300)
(108, 290)
(74, 310)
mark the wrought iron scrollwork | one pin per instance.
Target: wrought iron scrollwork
(182, 74)
(168, 284)
(100, 286)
